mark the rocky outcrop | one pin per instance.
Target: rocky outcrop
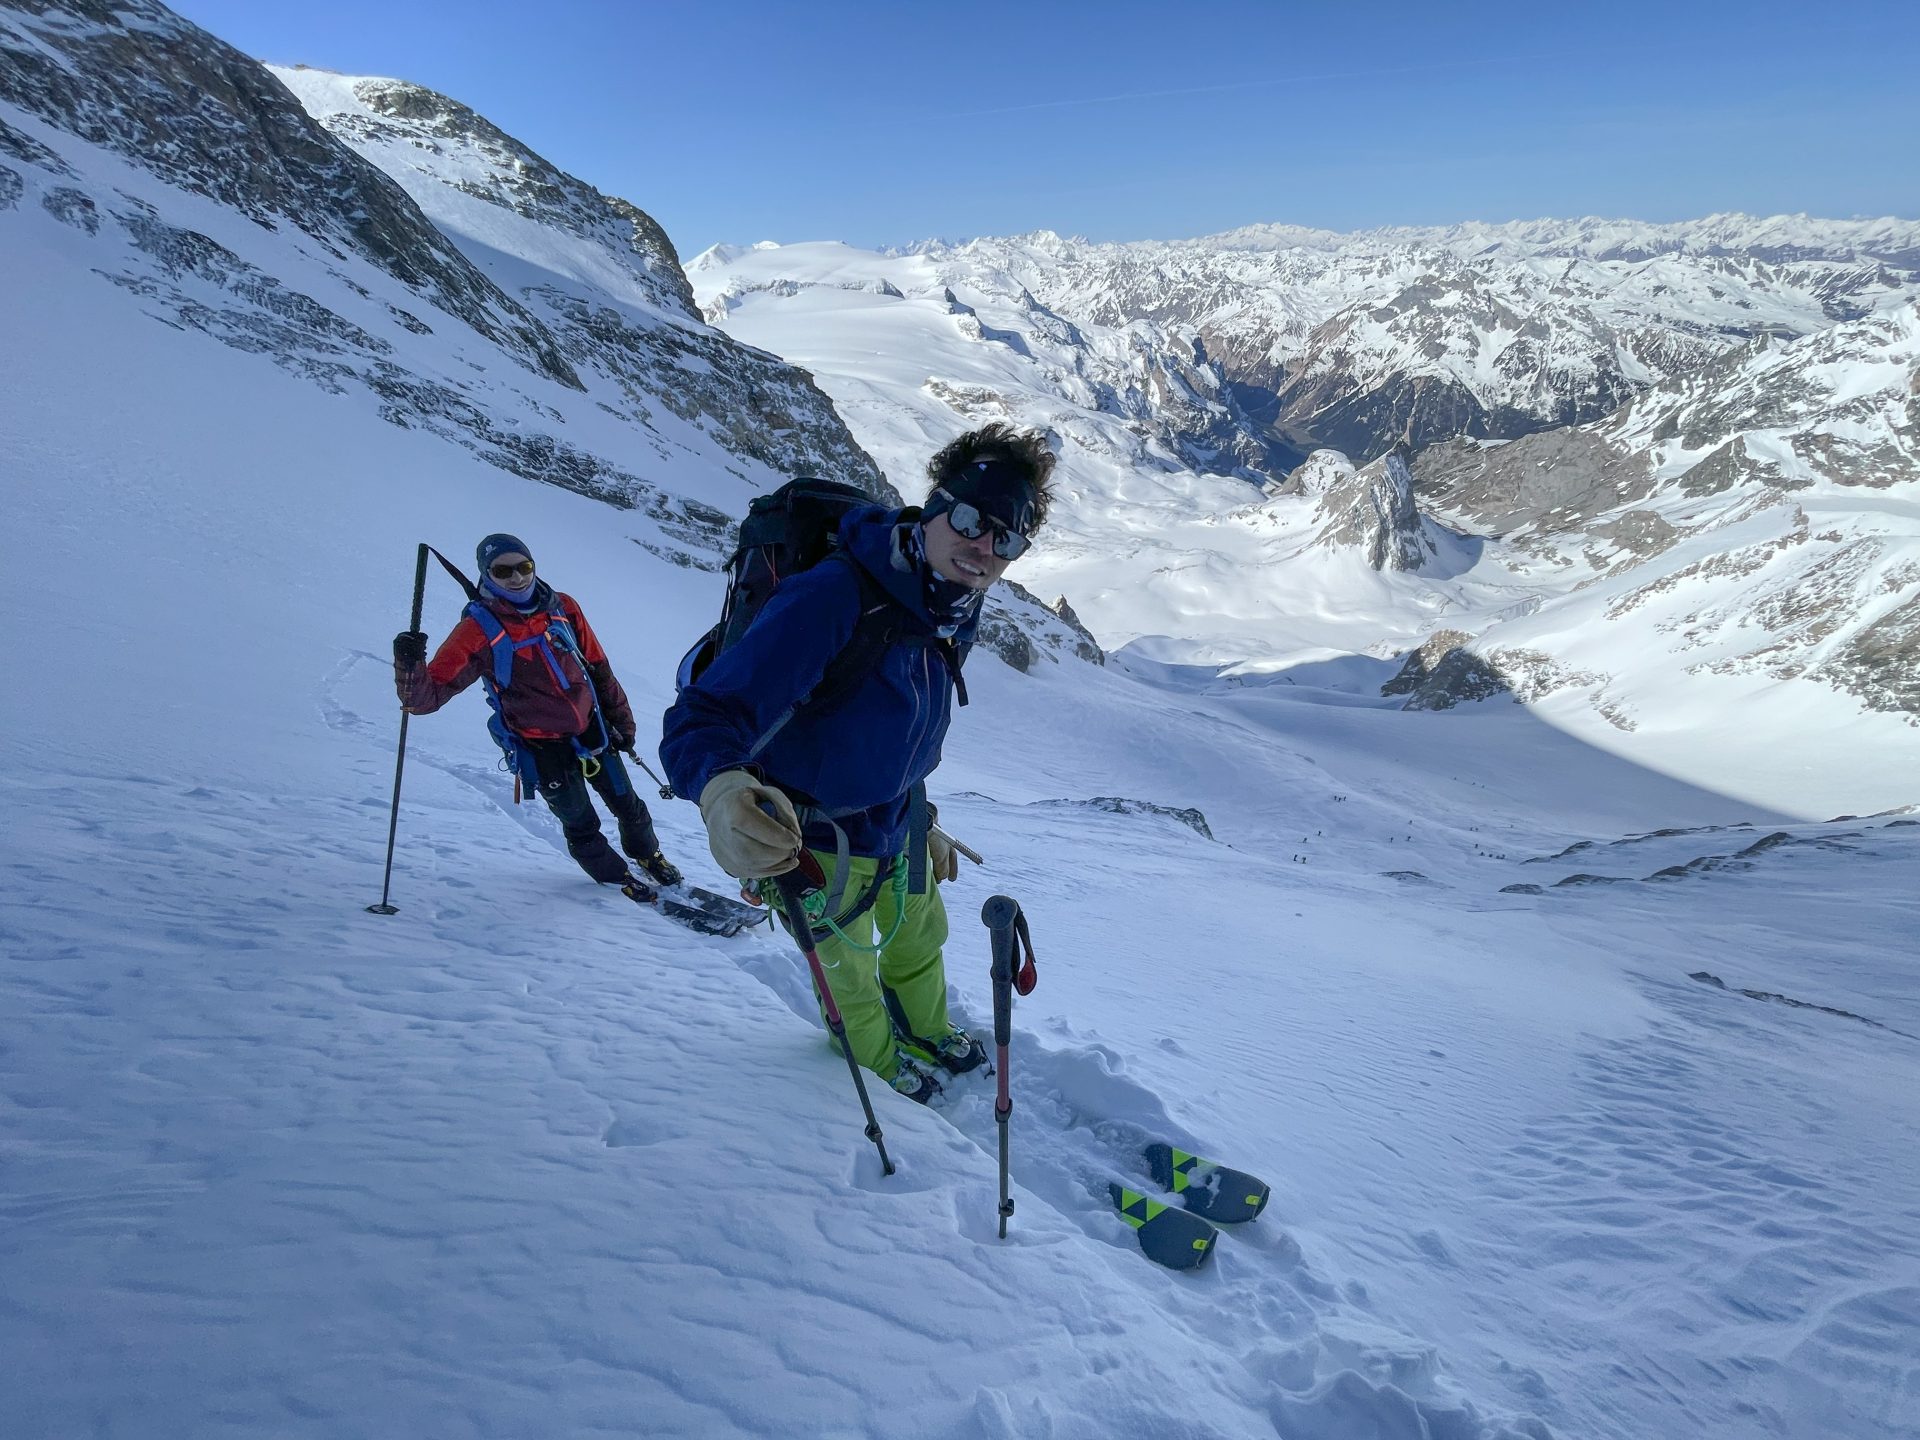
(1022, 631)
(1443, 673)
(1556, 481)
(1373, 512)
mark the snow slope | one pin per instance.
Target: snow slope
(525, 1160)
(522, 1160)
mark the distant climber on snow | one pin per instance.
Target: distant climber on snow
(559, 713)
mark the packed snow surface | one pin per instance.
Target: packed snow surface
(524, 1159)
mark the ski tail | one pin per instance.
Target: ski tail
(1222, 1195)
(1178, 1239)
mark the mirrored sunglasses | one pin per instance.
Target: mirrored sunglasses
(968, 520)
(508, 569)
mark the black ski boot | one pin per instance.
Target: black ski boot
(660, 870)
(639, 891)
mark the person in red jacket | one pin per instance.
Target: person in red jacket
(561, 702)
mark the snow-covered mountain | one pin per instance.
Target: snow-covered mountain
(527, 317)
(1334, 573)
(1405, 336)
(1759, 517)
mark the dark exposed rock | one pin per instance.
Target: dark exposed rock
(1557, 481)
(1881, 663)
(517, 179)
(1021, 630)
(1443, 673)
(140, 81)
(1707, 977)
(1121, 805)
(72, 207)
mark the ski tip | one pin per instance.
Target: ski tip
(1221, 1194)
(1175, 1238)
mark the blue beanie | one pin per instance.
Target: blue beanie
(494, 546)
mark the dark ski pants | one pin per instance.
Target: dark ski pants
(563, 785)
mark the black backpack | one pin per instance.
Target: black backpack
(789, 530)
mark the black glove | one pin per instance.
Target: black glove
(621, 741)
(409, 648)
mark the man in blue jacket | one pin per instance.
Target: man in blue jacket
(740, 739)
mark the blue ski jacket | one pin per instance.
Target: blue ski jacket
(859, 759)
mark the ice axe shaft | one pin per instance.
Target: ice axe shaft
(961, 846)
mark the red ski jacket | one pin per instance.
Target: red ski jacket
(534, 703)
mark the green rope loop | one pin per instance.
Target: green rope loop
(814, 906)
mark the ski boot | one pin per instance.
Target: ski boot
(913, 1082)
(660, 870)
(958, 1053)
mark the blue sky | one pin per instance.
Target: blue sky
(883, 124)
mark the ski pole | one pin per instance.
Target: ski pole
(400, 760)
(666, 790)
(793, 887)
(1004, 921)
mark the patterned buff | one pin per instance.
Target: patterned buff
(950, 604)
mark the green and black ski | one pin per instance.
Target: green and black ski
(1178, 1239)
(695, 908)
(1212, 1194)
(1220, 1194)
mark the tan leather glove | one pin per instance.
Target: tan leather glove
(747, 842)
(945, 859)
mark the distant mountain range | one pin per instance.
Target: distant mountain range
(1404, 337)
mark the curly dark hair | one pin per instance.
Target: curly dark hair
(1027, 449)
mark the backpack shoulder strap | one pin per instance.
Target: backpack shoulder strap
(883, 623)
(497, 640)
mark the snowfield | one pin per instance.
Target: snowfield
(1586, 1076)
(524, 1160)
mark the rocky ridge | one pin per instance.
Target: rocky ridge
(188, 176)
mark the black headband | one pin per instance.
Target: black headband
(1002, 489)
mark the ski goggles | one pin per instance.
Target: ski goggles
(969, 520)
(509, 569)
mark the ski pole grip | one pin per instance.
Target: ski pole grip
(419, 584)
(999, 915)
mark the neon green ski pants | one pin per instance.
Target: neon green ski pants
(909, 967)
